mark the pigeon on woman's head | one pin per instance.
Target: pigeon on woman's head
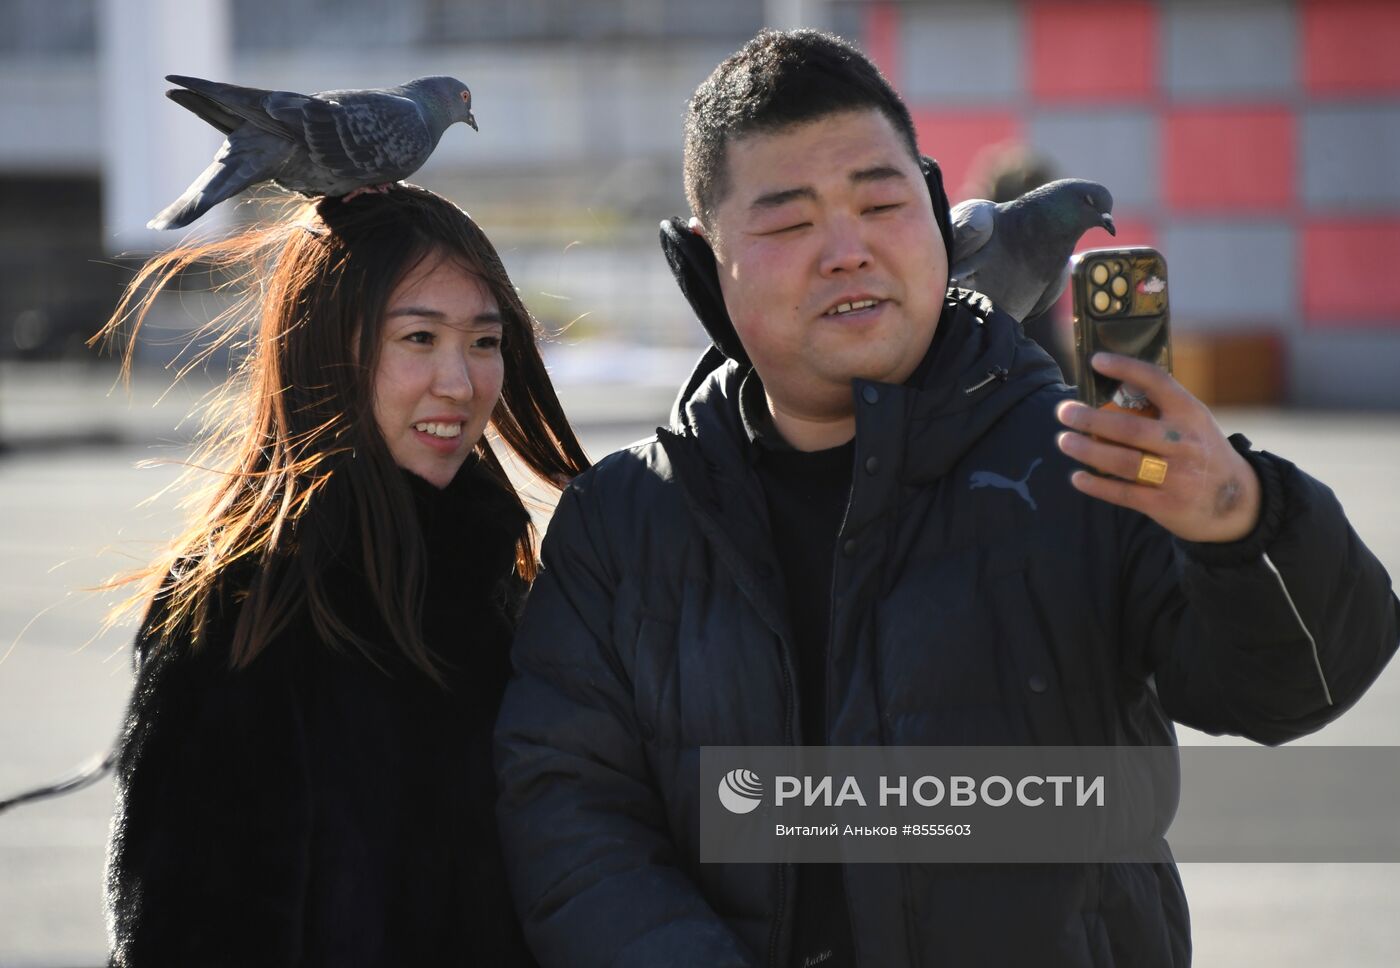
(332, 143)
(1017, 253)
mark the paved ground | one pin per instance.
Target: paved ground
(70, 516)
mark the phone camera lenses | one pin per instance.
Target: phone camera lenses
(1108, 287)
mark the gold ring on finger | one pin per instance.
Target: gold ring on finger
(1152, 471)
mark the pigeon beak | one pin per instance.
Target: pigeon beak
(1106, 221)
(472, 121)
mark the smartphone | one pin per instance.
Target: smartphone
(1120, 305)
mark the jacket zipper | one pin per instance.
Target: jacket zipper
(995, 373)
(788, 701)
(1317, 660)
(826, 681)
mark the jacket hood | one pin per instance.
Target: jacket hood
(981, 367)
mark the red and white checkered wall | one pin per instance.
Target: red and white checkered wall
(1255, 142)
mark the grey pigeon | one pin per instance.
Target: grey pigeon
(332, 143)
(1017, 253)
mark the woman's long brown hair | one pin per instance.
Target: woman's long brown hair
(294, 462)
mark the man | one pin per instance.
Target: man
(808, 553)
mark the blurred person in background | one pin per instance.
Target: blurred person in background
(1007, 170)
(867, 526)
(305, 770)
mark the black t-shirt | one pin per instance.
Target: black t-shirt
(807, 494)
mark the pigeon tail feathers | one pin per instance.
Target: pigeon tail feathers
(205, 108)
(248, 104)
(232, 96)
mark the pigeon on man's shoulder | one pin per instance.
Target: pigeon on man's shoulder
(1017, 253)
(334, 143)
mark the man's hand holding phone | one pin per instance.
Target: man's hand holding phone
(1206, 491)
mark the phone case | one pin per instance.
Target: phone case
(1120, 305)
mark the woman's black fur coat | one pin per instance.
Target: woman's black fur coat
(312, 809)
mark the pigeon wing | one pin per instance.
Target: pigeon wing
(973, 223)
(370, 137)
(244, 160)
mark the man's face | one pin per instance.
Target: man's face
(830, 259)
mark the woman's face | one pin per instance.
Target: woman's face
(440, 368)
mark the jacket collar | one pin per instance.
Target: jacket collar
(980, 368)
(471, 526)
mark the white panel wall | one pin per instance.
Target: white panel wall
(151, 148)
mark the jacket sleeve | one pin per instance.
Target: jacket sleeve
(1270, 637)
(592, 864)
(207, 863)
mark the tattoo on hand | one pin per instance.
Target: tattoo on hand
(1227, 498)
(1173, 436)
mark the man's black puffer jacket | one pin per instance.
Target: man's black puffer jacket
(963, 613)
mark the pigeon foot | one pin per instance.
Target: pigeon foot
(379, 189)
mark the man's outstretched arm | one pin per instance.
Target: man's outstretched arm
(1267, 617)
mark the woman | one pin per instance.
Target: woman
(305, 774)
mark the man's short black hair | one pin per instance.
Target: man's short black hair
(778, 79)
